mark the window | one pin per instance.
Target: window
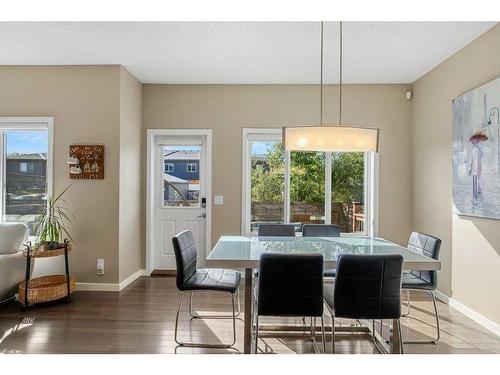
(266, 183)
(348, 191)
(23, 167)
(25, 170)
(181, 188)
(305, 187)
(169, 167)
(191, 167)
(26, 167)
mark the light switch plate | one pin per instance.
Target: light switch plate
(219, 199)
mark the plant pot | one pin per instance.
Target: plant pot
(50, 246)
(42, 252)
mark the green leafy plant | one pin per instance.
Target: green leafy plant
(51, 223)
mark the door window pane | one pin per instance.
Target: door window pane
(348, 186)
(181, 176)
(307, 188)
(25, 176)
(267, 183)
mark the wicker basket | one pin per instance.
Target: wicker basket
(46, 288)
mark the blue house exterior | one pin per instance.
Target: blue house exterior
(181, 175)
(184, 169)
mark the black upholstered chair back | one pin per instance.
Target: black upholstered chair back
(320, 230)
(278, 230)
(368, 287)
(291, 285)
(185, 257)
(429, 246)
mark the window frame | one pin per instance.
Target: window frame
(251, 135)
(25, 124)
(193, 167)
(168, 170)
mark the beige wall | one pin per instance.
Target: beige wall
(470, 245)
(131, 231)
(94, 105)
(228, 108)
(85, 104)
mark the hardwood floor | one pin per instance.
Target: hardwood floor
(141, 318)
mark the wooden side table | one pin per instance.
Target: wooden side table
(46, 288)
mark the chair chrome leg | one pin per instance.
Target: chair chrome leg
(191, 306)
(323, 337)
(408, 303)
(313, 328)
(256, 333)
(437, 317)
(198, 316)
(234, 320)
(332, 317)
(333, 334)
(239, 303)
(401, 344)
(199, 344)
(177, 319)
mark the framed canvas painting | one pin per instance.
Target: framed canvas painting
(476, 152)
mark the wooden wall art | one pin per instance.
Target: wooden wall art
(86, 162)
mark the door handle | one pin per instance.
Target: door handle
(202, 215)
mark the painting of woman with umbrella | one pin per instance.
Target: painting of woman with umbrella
(475, 163)
(476, 152)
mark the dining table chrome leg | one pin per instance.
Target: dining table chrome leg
(396, 341)
(247, 334)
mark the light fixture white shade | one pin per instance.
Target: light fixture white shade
(330, 138)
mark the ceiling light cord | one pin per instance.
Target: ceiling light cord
(321, 80)
(340, 79)
(340, 74)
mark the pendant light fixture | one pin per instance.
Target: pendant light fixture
(330, 138)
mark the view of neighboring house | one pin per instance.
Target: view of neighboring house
(181, 176)
(25, 185)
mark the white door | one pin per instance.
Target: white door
(180, 187)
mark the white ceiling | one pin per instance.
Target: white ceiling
(241, 52)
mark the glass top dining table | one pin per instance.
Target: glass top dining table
(245, 251)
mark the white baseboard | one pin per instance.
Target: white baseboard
(468, 312)
(110, 287)
(131, 279)
(442, 297)
(97, 287)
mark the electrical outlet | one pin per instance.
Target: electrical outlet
(100, 266)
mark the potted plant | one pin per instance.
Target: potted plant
(51, 223)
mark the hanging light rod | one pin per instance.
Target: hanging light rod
(331, 138)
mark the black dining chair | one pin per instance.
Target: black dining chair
(322, 230)
(366, 287)
(276, 230)
(425, 281)
(190, 279)
(292, 286)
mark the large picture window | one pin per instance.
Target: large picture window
(24, 169)
(305, 187)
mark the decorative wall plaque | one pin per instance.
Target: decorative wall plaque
(86, 162)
